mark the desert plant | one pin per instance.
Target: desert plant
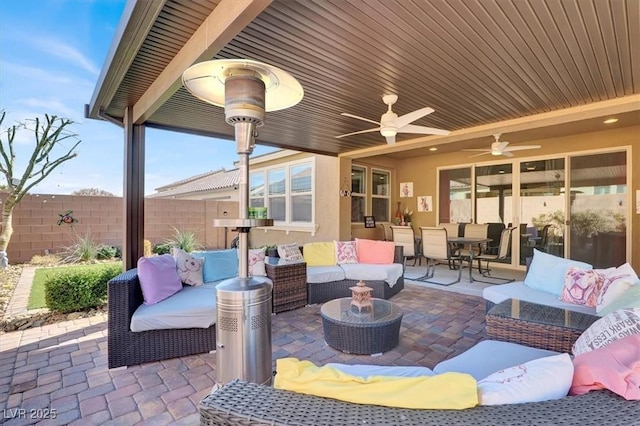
(50, 135)
(185, 240)
(147, 248)
(83, 249)
(79, 289)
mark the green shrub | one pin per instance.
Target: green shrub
(79, 289)
(106, 252)
(163, 248)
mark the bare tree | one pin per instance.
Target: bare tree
(96, 192)
(48, 135)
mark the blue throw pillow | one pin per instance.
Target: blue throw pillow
(218, 264)
(547, 272)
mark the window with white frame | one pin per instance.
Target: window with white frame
(380, 195)
(358, 193)
(373, 184)
(286, 190)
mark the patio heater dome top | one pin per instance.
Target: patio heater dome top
(206, 81)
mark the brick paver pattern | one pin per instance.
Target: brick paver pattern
(62, 367)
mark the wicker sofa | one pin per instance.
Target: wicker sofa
(325, 291)
(320, 292)
(126, 347)
(243, 403)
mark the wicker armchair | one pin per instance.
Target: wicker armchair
(242, 403)
(126, 347)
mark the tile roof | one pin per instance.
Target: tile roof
(209, 181)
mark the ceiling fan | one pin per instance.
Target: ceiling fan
(390, 124)
(501, 148)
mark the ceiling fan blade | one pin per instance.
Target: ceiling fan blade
(477, 155)
(523, 147)
(476, 150)
(423, 130)
(357, 117)
(499, 146)
(357, 133)
(403, 120)
(507, 153)
(391, 139)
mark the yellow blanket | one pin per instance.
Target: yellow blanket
(443, 391)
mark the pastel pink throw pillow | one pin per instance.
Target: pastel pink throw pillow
(346, 252)
(375, 252)
(582, 286)
(158, 277)
(615, 367)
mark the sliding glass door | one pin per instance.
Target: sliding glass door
(574, 206)
(598, 209)
(455, 196)
(542, 207)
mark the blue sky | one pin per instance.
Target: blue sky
(51, 54)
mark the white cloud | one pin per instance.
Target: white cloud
(65, 51)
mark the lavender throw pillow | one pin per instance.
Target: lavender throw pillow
(158, 278)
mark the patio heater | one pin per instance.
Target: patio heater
(246, 89)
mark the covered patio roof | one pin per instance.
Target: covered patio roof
(526, 68)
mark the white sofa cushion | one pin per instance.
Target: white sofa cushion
(489, 356)
(518, 290)
(324, 274)
(364, 370)
(191, 307)
(358, 271)
(537, 380)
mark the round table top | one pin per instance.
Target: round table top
(380, 312)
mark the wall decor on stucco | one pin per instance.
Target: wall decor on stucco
(406, 189)
(425, 203)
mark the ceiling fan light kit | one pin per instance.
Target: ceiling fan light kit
(390, 124)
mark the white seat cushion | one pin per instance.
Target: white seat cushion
(191, 307)
(518, 290)
(489, 356)
(324, 274)
(359, 271)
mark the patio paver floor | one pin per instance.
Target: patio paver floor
(63, 366)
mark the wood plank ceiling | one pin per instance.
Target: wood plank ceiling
(476, 62)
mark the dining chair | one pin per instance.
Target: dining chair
(453, 230)
(405, 237)
(436, 250)
(387, 233)
(474, 230)
(503, 252)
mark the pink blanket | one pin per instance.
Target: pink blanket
(615, 367)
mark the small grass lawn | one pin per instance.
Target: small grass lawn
(36, 297)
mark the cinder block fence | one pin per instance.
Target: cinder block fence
(38, 226)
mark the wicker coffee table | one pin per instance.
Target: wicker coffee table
(538, 326)
(373, 330)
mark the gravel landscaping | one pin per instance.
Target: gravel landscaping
(8, 280)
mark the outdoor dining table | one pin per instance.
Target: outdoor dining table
(462, 241)
(470, 242)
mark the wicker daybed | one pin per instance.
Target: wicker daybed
(242, 403)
